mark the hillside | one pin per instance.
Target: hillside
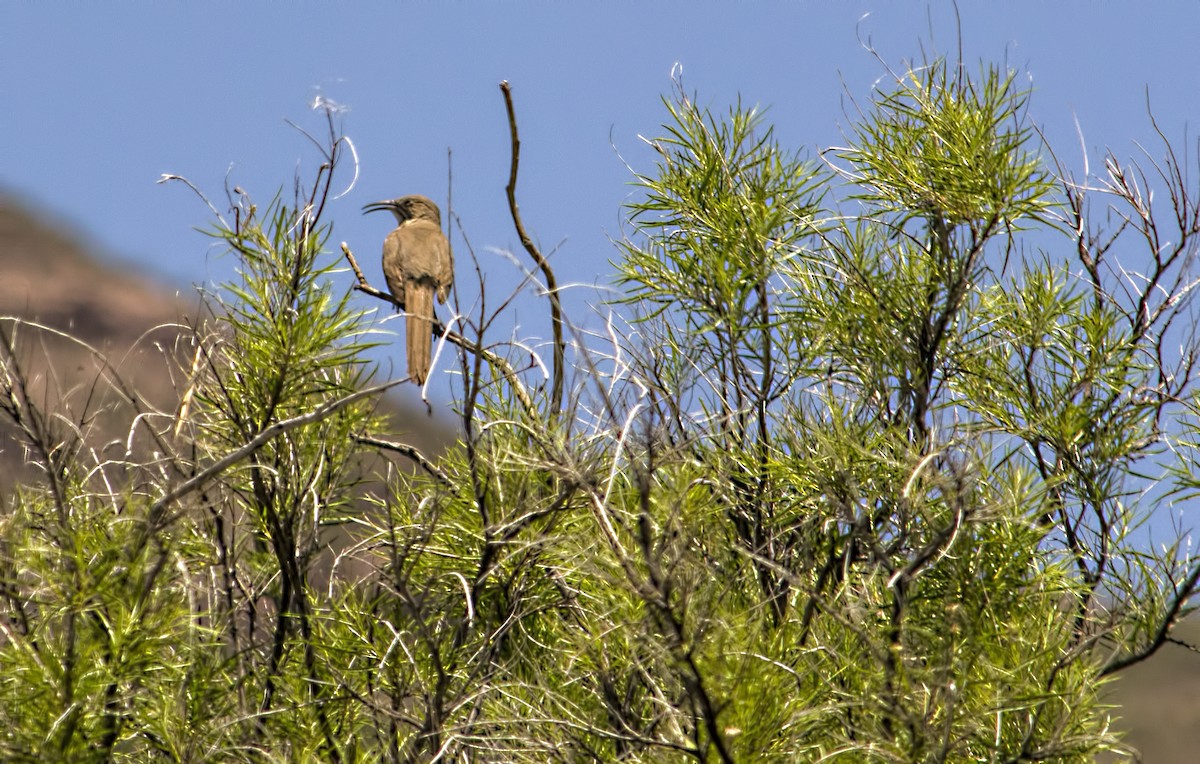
(52, 280)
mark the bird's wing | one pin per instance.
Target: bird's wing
(393, 263)
(424, 248)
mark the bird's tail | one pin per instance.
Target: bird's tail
(418, 304)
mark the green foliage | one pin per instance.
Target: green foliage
(861, 484)
(946, 144)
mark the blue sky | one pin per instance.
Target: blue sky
(102, 98)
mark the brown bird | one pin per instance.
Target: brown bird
(417, 262)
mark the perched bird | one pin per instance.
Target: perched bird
(417, 262)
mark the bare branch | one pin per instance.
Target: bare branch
(556, 316)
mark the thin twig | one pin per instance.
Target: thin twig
(410, 451)
(556, 317)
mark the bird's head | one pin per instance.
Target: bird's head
(413, 207)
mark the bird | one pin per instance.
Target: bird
(417, 263)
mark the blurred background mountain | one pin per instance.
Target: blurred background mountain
(49, 274)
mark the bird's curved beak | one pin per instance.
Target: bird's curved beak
(385, 206)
